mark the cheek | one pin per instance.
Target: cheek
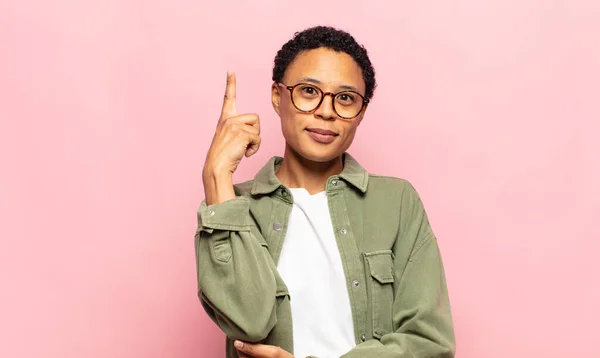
(285, 105)
(290, 124)
(349, 134)
(291, 119)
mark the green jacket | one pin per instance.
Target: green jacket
(392, 263)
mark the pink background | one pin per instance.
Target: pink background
(490, 108)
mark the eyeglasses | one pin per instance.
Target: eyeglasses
(307, 98)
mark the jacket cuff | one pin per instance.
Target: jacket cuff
(230, 215)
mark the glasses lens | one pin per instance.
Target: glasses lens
(348, 104)
(306, 97)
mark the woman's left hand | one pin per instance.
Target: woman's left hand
(260, 351)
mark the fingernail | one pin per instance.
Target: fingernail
(238, 344)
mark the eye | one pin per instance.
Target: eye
(309, 91)
(346, 98)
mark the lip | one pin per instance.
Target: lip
(322, 136)
(322, 131)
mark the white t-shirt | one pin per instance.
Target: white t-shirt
(311, 266)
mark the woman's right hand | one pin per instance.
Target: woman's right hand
(236, 135)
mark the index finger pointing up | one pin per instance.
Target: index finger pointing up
(229, 99)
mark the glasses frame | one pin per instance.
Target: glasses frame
(323, 94)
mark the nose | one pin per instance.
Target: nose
(325, 110)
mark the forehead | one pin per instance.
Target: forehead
(333, 69)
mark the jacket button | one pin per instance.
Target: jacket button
(363, 338)
(334, 182)
(343, 230)
(277, 226)
(211, 212)
(355, 283)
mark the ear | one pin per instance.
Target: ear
(276, 97)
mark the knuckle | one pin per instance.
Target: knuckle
(250, 117)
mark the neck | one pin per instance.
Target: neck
(298, 172)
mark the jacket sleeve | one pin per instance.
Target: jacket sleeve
(421, 309)
(236, 280)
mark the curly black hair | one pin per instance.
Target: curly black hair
(327, 37)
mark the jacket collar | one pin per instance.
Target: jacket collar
(265, 181)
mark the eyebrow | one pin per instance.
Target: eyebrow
(316, 81)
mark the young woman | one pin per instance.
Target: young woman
(315, 256)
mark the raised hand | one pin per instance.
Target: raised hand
(236, 135)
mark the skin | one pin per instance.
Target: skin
(307, 163)
(248, 350)
(236, 136)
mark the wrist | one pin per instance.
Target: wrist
(218, 186)
(214, 172)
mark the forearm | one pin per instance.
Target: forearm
(218, 186)
(401, 345)
(236, 282)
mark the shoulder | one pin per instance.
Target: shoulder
(395, 192)
(391, 184)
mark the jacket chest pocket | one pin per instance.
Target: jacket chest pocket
(380, 265)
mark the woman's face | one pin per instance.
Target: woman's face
(331, 72)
